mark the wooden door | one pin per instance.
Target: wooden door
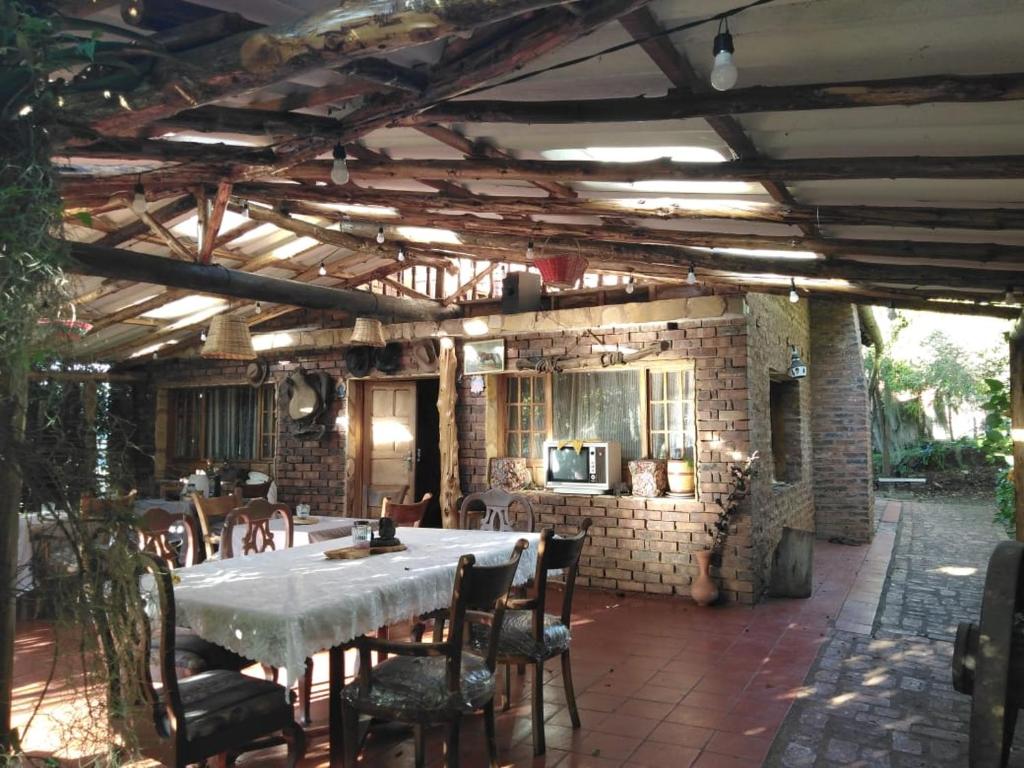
(389, 447)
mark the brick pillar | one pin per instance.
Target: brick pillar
(840, 424)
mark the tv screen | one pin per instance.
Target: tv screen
(567, 466)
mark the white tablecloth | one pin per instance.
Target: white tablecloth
(282, 607)
(324, 529)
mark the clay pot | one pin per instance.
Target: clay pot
(680, 476)
(704, 591)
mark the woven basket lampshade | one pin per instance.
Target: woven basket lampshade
(228, 339)
(368, 333)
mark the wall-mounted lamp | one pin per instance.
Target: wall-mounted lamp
(797, 367)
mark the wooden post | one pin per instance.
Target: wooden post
(13, 392)
(451, 488)
(1017, 421)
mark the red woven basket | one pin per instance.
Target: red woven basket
(561, 271)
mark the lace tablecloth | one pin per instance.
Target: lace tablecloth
(281, 607)
(324, 529)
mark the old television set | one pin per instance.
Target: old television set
(588, 467)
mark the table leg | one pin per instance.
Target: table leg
(336, 683)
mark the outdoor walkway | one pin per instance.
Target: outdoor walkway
(883, 697)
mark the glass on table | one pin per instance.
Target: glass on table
(361, 534)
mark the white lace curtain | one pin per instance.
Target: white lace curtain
(602, 405)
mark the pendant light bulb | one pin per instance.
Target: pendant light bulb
(380, 235)
(139, 199)
(529, 249)
(339, 169)
(892, 311)
(691, 276)
(202, 335)
(401, 253)
(259, 308)
(630, 287)
(323, 270)
(1011, 297)
(724, 73)
(794, 297)
(245, 210)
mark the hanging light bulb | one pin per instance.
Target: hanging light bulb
(323, 270)
(339, 170)
(259, 308)
(691, 276)
(794, 297)
(630, 287)
(724, 72)
(1011, 297)
(380, 235)
(529, 249)
(245, 210)
(202, 335)
(400, 256)
(139, 199)
(892, 311)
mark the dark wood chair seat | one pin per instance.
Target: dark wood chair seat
(517, 636)
(416, 688)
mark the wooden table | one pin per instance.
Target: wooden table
(282, 607)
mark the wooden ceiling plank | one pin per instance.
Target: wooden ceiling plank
(211, 230)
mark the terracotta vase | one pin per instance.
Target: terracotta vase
(704, 591)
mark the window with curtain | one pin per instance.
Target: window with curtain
(670, 414)
(223, 423)
(603, 405)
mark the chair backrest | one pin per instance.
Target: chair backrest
(134, 616)
(93, 506)
(497, 514)
(256, 534)
(374, 496)
(157, 526)
(210, 511)
(406, 515)
(557, 553)
(251, 491)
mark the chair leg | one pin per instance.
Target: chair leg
(451, 744)
(538, 708)
(306, 692)
(508, 689)
(491, 732)
(384, 633)
(420, 737)
(350, 726)
(218, 761)
(296, 739)
(269, 672)
(570, 692)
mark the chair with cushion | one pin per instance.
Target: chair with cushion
(211, 513)
(497, 510)
(531, 636)
(435, 683)
(212, 715)
(192, 654)
(406, 515)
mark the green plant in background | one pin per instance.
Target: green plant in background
(998, 448)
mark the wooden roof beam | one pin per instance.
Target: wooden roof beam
(903, 92)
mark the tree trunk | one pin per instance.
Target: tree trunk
(447, 395)
(13, 392)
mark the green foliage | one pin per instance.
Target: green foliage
(998, 448)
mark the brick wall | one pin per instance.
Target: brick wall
(840, 420)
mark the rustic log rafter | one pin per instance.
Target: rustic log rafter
(470, 284)
(642, 26)
(211, 227)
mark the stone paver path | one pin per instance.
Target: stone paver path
(886, 700)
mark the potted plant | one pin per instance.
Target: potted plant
(704, 591)
(680, 475)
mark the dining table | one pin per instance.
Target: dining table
(283, 606)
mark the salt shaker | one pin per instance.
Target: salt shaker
(361, 534)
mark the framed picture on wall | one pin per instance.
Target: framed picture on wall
(484, 357)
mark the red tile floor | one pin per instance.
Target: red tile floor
(659, 682)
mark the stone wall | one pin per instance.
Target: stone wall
(843, 490)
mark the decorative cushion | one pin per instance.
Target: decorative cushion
(218, 700)
(517, 636)
(418, 684)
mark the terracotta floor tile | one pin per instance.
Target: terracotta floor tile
(599, 701)
(660, 694)
(609, 745)
(736, 745)
(681, 735)
(626, 725)
(574, 760)
(698, 716)
(712, 701)
(655, 710)
(652, 754)
(715, 760)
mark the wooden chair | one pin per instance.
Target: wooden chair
(185, 721)
(245, 491)
(435, 683)
(211, 513)
(374, 496)
(496, 514)
(531, 636)
(406, 515)
(158, 531)
(257, 536)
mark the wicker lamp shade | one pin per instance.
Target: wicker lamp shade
(368, 333)
(228, 339)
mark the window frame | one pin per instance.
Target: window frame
(500, 443)
(266, 404)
